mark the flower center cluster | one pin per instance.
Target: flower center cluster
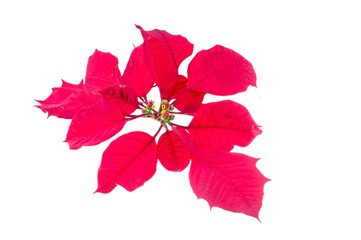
(164, 114)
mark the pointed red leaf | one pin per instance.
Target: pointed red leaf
(228, 180)
(172, 153)
(68, 99)
(94, 125)
(121, 96)
(220, 71)
(189, 101)
(221, 125)
(102, 70)
(179, 87)
(164, 53)
(136, 74)
(129, 161)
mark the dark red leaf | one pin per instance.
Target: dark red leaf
(129, 161)
(94, 125)
(172, 153)
(220, 71)
(68, 99)
(228, 180)
(164, 53)
(179, 87)
(189, 101)
(102, 70)
(121, 96)
(136, 74)
(221, 125)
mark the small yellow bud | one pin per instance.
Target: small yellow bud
(163, 107)
(163, 111)
(153, 106)
(152, 117)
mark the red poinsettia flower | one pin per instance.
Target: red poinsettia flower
(101, 106)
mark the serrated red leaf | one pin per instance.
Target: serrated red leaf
(228, 180)
(189, 101)
(94, 125)
(172, 153)
(102, 70)
(220, 71)
(129, 161)
(121, 96)
(179, 87)
(136, 74)
(164, 53)
(68, 99)
(221, 125)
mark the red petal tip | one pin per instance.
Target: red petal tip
(139, 27)
(39, 106)
(97, 51)
(71, 146)
(259, 131)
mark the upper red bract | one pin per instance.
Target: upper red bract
(100, 107)
(102, 70)
(136, 74)
(173, 92)
(220, 71)
(163, 54)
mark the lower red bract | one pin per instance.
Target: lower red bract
(172, 152)
(129, 161)
(228, 180)
(94, 125)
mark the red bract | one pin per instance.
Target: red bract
(100, 107)
(129, 161)
(173, 154)
(68, 99)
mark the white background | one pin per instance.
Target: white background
(307, 59)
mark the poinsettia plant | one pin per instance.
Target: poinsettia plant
(100, 106)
